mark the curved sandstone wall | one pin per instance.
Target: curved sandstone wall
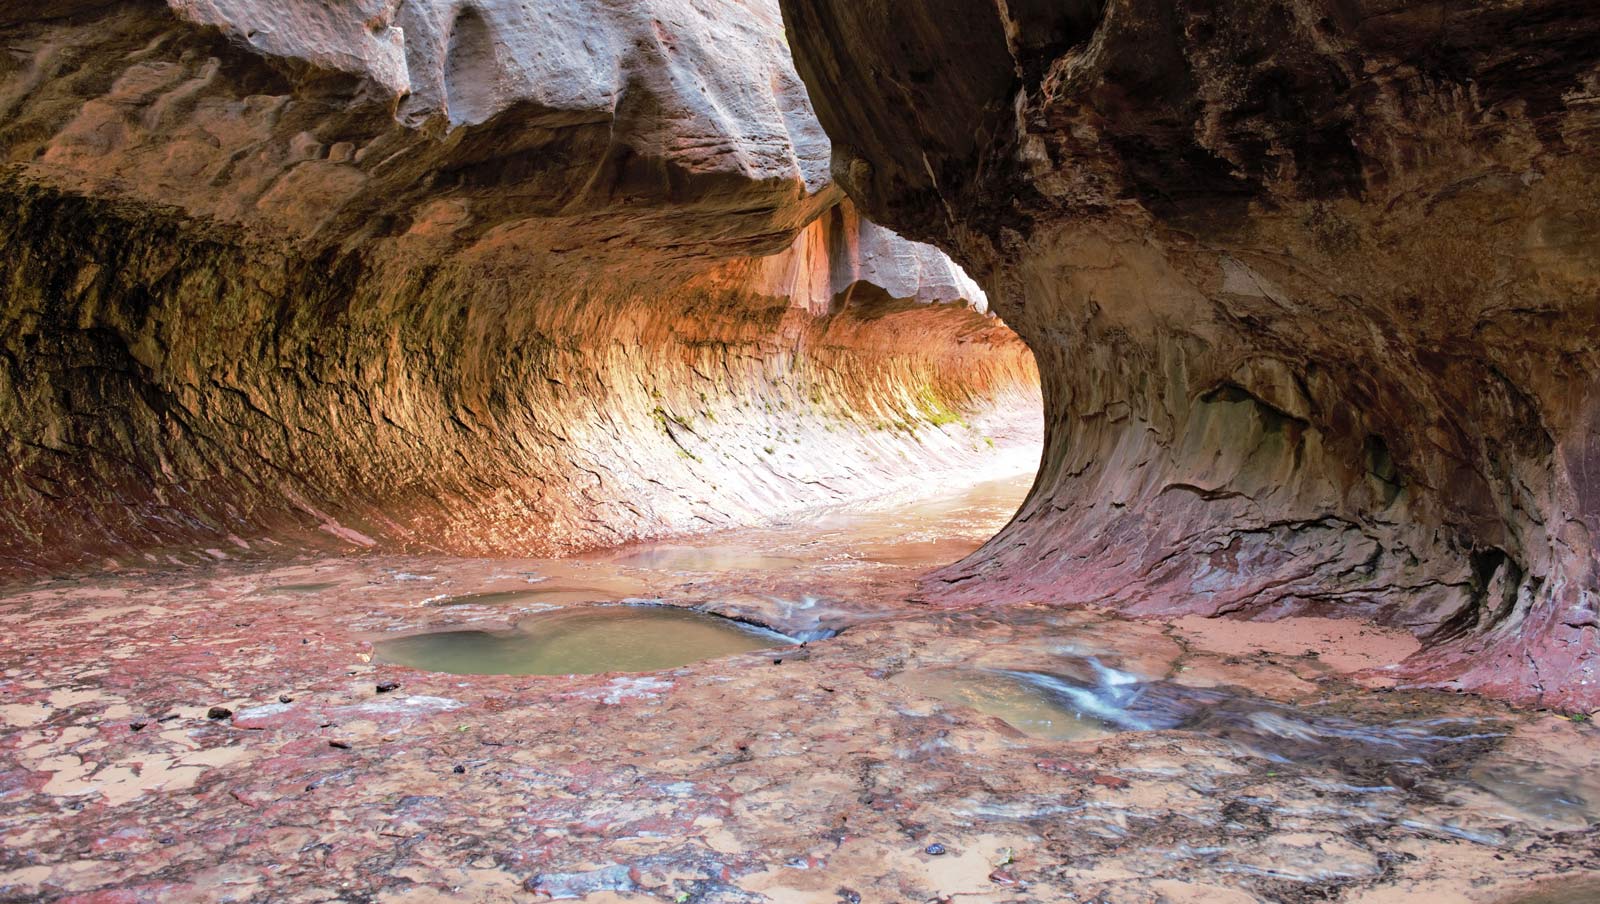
(1313, 289)
(480, 278)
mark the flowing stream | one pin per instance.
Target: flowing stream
(775, 714)
(1035, 672)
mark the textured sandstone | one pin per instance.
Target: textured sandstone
(776, 777)
(1312, 286)
(444, 276)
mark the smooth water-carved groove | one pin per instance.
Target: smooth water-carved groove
(471, 73)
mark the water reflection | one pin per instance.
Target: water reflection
(929, 532)
(583, 641)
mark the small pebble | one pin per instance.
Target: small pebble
(137, 726)
(459, 770)
(387, 686)
(285, 698)
(934, 850)
(218, 713)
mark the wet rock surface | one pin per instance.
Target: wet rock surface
(1311, 285)
(1229, 771)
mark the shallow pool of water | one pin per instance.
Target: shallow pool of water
(303, 588)
(926, 533)
(582, 641)
(979, 509)
(919, 553)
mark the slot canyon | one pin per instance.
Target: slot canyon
(709, 451)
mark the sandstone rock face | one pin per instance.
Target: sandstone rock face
(469, 277)
(1313, 286)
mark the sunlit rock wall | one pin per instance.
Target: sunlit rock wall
(1314, 288)
(471, 278)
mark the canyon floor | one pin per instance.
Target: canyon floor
(236, 734)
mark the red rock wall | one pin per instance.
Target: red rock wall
(255, 301)
(1313, 290)
(168, 386)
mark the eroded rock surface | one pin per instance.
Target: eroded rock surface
(476, 277)
(1312, 286)
(1241, 769)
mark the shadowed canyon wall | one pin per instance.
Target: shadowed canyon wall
(480, 278)
(1314, 287)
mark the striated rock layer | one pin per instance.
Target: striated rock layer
(466, 277)
(1314, 287)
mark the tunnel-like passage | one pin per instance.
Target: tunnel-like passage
(497, 450)
(466, 290)
(248, 311)
(1311, 289)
